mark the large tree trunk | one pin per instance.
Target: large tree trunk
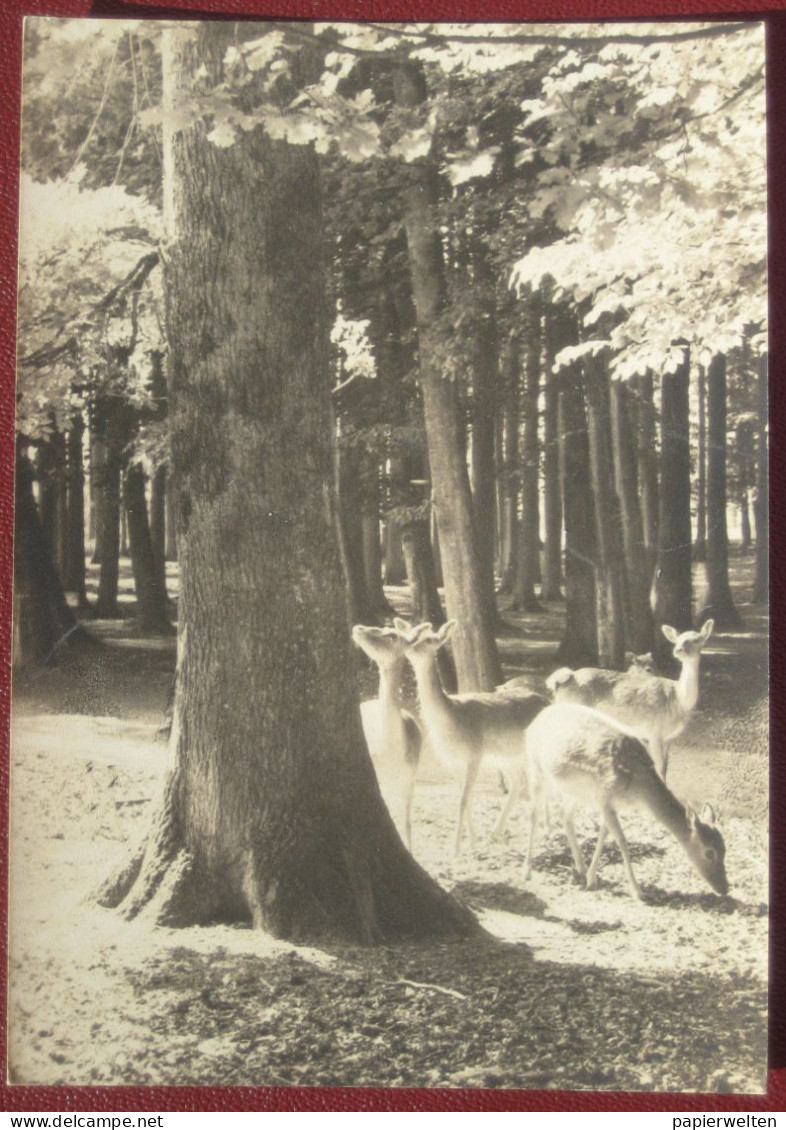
(44, 625)
(551, 586)
(474, 646)
(528, 559)
(579, 645)
(611, 599)
(272, 814)
(719, 604)
(673, 582)
(151, 603)
(761, 583)
(74, 565)
(639, 626)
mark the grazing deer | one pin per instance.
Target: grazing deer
(392, 735)
(582, 757)
(656, 709)
(467, 729)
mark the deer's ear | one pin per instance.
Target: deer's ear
(706, 631)
(401, 626)
(671, 634)
(445, 632)
(630, 658)
(708, 815)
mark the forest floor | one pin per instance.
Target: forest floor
(573, 990)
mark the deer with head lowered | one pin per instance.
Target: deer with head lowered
(581, 757)
(467, 730)
(392, 735)
(656, 709)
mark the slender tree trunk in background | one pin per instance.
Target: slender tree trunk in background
(170, 550)
(700, 545)
(743, 446)
(151, 603)
(528, 556)
(719, 604)
(44, 627)
(551, 586)
(158, 525)
(579, 646)
(74, 566)
(424, 598)
(510, 364)
(52, 495)
(372, 548)
(272, 814)
(485, 360)
(97, 464)
(673, 582)
(123, 530)
(647, 451)
(393, 553)
(350, 537)
(639, 626)
(107, 471)
(761, 583)
(499, 493)
(612, 608)
(474, 646)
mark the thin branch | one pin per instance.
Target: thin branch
(538, 38)
(432, 988)
(100, 110)
(133, 282)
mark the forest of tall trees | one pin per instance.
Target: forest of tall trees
(320, 310)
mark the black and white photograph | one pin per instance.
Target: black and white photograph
(390, 699)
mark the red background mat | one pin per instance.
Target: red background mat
(367, 1099)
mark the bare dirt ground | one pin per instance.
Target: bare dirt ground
(572, 990)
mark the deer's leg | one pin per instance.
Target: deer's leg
(575, 850)
(515, 782)
(534, 816)
(610, 816)
(470, 776)
(592, 873)
(659, 754)
(409, 789)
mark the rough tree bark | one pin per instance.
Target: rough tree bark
(719, 604)
(272, 813)
(673, 582)
(474, 646)
(151, 603)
